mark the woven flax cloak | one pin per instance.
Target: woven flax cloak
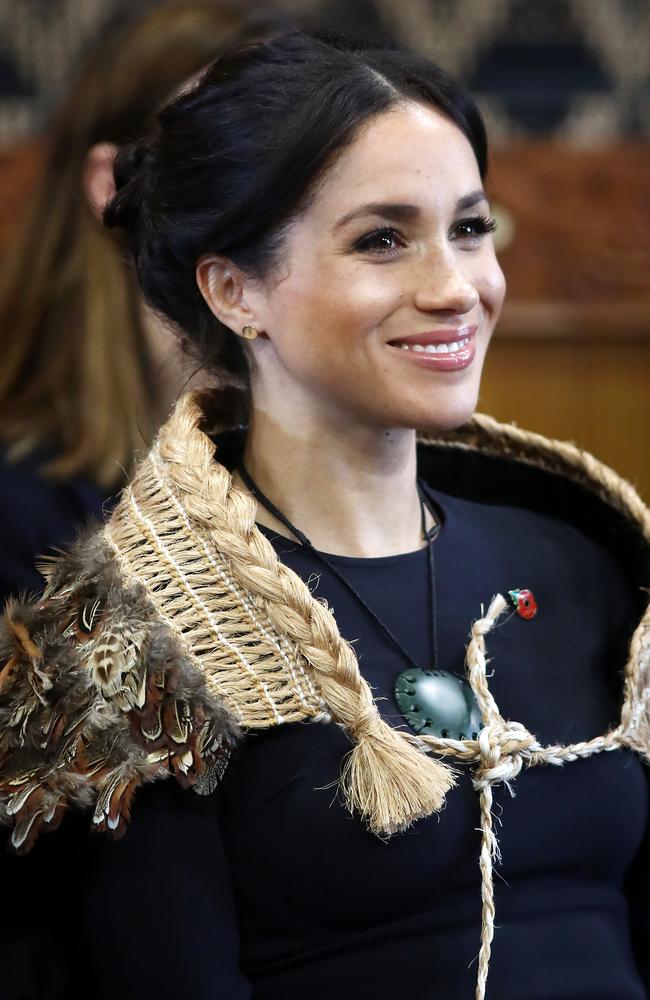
(166, 634)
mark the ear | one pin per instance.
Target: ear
(98, 180)
(223, 286)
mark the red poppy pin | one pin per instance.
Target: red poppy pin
(524, 602)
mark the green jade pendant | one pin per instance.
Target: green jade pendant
(437, 703)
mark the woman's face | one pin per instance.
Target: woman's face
(388, 291)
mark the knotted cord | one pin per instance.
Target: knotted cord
(499, 752)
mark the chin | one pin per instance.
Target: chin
(443, 423)
(444, 414)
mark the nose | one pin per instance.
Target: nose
(443, 286)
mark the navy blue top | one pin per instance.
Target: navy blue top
(271, 890)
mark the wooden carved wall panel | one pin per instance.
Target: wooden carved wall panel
(571, 357)
(594, 392)
(578, 262)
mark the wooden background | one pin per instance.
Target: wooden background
(571, 357)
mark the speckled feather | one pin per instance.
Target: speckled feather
(97, 698)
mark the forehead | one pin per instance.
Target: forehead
(410, 151)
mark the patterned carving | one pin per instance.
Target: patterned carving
(574, 70)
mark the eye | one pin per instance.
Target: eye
(475, 227)
(386, 242)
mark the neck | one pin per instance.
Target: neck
(351, 490)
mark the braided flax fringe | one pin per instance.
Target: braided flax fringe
(265, 646)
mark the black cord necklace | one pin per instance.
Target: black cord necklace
(433, 702)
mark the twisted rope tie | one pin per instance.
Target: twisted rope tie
(499, 752)
(502, 748)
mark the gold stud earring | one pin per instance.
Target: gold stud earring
(249, 332)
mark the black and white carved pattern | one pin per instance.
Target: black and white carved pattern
(576, 70)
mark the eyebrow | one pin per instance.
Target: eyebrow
(406, 212)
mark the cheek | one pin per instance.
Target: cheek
(332, 306)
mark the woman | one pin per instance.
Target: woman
(313, 216)
(88, 373)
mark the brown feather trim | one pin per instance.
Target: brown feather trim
(8, 674)
(96, 698)
(23, 638)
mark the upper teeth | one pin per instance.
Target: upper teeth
(456, 345)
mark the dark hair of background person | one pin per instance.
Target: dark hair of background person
(75, 373)
(238, 156)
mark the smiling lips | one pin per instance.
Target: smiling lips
(442, 350)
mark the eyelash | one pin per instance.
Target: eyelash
(483, 224)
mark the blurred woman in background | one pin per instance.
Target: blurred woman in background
(87, 371)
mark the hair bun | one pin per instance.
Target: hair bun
(132, 171)
(131, 161)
